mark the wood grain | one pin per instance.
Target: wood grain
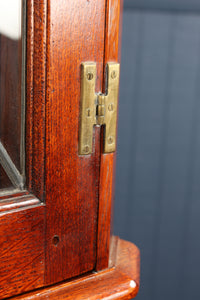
(121, 282)
(75, 35)
(35, 97)
(43, 244)
(22, 250)
(107, 165)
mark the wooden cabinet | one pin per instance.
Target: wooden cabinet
(57, 226)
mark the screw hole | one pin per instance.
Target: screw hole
(55, 240)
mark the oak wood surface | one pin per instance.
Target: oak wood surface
(121, 282)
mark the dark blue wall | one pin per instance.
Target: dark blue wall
(171, 5)
(157, 202)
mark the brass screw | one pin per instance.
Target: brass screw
(111, 107)
(110, 140)
(90, 76)
(88, 112)
(113, 74)
(87, 148)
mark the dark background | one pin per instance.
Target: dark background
(157, 203)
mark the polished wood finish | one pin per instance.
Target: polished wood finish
(121, 282)
(36, 97)
(22, 250)
(22, 215)
(62, 221)
(17, 201)
(75, 35)
(107, 166)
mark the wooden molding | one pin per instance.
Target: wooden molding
(18, 201)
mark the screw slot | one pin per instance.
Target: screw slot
(113, 74)
(90, 76)
(87, 149)
(55, 240)
(111, 107)
(88, 112)
(110, 140)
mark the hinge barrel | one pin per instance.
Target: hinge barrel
(100, 109)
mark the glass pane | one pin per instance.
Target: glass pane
(11, 94)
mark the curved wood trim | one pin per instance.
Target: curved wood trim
(121, 282)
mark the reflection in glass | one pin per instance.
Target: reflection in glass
(11, 95)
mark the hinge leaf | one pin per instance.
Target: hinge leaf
(111, 107)
(98, 109)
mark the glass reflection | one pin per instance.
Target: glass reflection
(11, 95)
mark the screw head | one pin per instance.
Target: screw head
(87, 149)
(90, 76)
(111, 107)
(88, 112)
(113, 74)
(110, 140)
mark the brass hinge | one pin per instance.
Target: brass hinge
(98, 108)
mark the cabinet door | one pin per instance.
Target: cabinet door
(22, 211)
(75, 35)
(58, 225)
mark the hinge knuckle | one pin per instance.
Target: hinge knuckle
(98, 109)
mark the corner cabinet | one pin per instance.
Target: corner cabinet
(58, 107)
